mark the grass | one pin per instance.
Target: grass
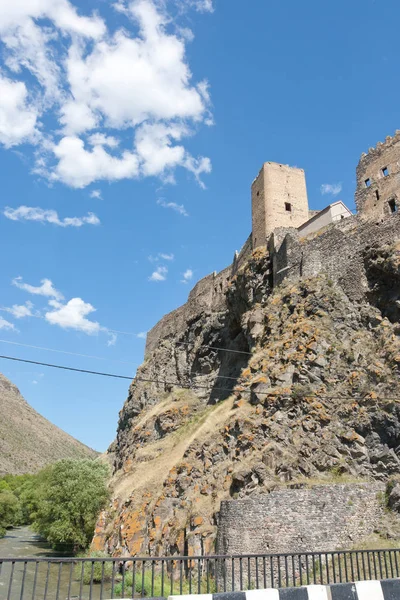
(96, 568)
(157, 586)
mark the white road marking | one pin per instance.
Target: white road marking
(317, 592)
(262, 595)
(369, 590)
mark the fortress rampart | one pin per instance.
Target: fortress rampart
(338, 252)
(279, 208)
(378, 179)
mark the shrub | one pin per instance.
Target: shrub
(99, 569)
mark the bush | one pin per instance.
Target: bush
(99, 572)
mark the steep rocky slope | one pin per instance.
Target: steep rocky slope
(28, 441)
(308, 392)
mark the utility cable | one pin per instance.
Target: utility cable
(127, 362)
(194, 386)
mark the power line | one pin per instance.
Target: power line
(116, 376)
(214, 348)
(127, 362)
(89, 356)
(194, 386)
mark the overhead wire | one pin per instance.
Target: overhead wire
(127, 362)
(191, 386)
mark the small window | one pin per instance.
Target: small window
(393, 206)
(367, 183)
(288, 207)
(385, 171)
(258, 193)
(377, 194)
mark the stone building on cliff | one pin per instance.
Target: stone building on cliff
(250, 385)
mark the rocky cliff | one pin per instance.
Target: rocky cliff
(306, 390)
(28, 441)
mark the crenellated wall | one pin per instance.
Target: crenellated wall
(378, 179)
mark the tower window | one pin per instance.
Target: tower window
(393, 206)
(288, 207)
(367, 183)
(377, 194)
(385, 171)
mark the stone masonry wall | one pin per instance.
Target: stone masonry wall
(207, 296)
(376, 188)
(338, 252)
(279, 199)
(325, 517)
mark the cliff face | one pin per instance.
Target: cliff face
(28, 441)
(307, 392)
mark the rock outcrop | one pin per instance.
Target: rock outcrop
(28, 441)
(306, 390)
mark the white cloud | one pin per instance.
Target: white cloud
(20, 310)
(331, 188)
(6, 324)
(142, 335)
(17, 116)
(46, 289)
(99, 139)
(160, 274)
(201, 5)
(179, 208)
(30, 213)
(72, 315)
(79, 167)
(87, 78)
(161, 256)
(187, 276)
(96, 194)
(112, 339)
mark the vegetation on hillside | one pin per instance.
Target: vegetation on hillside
(61, 502)
(28, 441)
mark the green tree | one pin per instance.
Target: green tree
(9, 510)
(66, 501)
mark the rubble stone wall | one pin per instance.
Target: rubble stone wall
(337, 251)
(324, 517)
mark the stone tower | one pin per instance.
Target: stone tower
(378, 180)
(279, 199)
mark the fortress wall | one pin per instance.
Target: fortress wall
(372, 200)
(338, 251)
(208, 295)
(243, 256)
(324, 517)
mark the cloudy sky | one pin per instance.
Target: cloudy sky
(130, 132)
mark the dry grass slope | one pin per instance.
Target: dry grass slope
(28, 441)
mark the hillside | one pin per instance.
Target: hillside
(306, 391)
(28, 441)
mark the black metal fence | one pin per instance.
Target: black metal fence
(98, 578)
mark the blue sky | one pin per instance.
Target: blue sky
(130, 132)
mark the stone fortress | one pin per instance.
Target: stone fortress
(302, 242)
(194, 474)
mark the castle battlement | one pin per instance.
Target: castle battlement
(380, 147)
(378, 179)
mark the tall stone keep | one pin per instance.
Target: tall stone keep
(378, 180)
(279, 199)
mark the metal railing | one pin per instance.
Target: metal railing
(106, 578)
